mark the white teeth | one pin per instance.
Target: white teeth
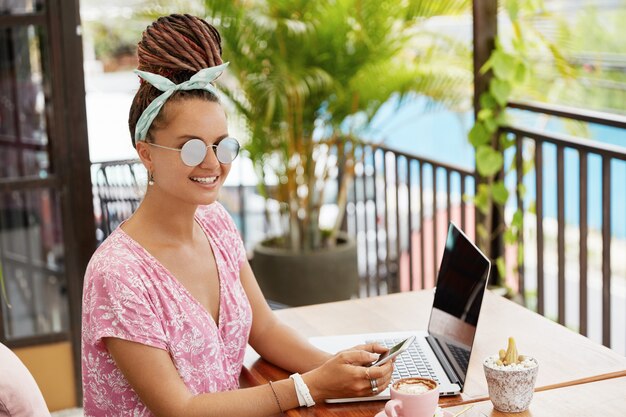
(204, 180)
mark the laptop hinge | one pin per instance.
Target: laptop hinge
(443, 360)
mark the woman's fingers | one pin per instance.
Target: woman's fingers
(347, 374)
(380, 371)
(371, 347)
(380, 374)
(357, 357)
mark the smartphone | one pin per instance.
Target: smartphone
(394, 351)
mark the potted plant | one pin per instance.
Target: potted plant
(308, 77)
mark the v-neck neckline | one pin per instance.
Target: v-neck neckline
(173, 278)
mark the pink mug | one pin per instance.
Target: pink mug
(413, 397)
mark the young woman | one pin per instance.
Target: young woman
(170, 301)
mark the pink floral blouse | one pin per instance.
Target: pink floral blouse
(128, 294)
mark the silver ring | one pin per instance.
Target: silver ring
(374, 386)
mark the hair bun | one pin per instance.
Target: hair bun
(178, 46)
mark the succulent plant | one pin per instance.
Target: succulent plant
(510, 356)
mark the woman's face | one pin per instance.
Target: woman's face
(185, 120)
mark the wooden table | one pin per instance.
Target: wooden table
(565, 357)
(605, 398)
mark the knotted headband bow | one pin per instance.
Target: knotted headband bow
(200, 81)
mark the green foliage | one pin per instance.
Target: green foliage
(308, 77)
(489, 161)
(500, 264)
(576, 67)
(114, 30)
(479, 135)
(113, 39)
(500, 89)
(500, 193)
(482, 200)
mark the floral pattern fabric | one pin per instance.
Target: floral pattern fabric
(128, 294)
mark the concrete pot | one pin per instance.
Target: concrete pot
(303, 278)
(511, 391)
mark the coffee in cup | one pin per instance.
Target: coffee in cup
(413, 397)
(415, 385)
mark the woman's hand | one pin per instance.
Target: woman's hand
(347, 374)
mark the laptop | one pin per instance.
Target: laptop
(443, 351)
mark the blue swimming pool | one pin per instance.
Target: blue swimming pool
(420, 127)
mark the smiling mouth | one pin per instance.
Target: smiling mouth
(204, 180)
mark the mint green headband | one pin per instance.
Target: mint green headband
(200, 81)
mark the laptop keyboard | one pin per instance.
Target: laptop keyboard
(461, 355)
(410, 363)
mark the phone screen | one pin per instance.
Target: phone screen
(394, 351)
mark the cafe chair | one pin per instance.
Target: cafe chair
(19, 394)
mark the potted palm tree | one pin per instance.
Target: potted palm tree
(308, 77)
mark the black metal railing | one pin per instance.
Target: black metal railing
(399, 206)
(397, 251)
(118, 187)
(399, 209)
(581, 166)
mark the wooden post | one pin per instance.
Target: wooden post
(79, 222)
(485, 14)
(485, 29)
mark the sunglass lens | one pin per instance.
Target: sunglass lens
(227, 150)
(193, 152)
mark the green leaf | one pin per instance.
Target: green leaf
(520, 253)
(510, 237)
(485, 114)
(481, 230)
(502, 119)
(481, 200)
(487, 101)
(478, 135)
(533, 6)
(506, 142)
(521, 189)
(501, 268)
(504, 65)
(501, 90)
(487, 65)
(532, 208)
(491, 125)
(518, 219)
(528, 165)
(488, 161)
(512, 9)
(500, 193)
(521, 71)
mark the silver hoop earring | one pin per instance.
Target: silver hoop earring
(150, 178)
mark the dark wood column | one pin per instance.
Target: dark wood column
(485, 14)
(79, 223)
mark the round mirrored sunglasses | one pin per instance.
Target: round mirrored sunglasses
(194, 151)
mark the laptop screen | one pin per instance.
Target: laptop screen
(461, 284)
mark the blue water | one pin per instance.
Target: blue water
(420, 128)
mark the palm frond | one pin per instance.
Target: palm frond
(420, 9)
(305, 65)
